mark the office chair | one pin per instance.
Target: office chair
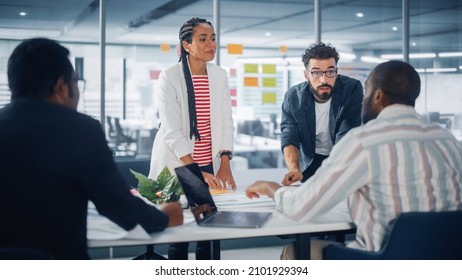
(118, 141)
(250, 127)
(414, 236)
(24, 253)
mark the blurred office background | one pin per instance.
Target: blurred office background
(261, 42)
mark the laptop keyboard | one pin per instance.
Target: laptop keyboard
(227, 216)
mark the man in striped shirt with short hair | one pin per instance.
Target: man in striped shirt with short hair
(395, 163)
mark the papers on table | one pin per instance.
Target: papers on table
(101, 228)
(230, 200)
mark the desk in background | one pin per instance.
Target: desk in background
(143, 132)
(250, 146)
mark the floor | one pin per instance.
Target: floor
(261, 248)
(257, 253)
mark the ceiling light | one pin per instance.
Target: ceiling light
(347, 56)
(414, 44)
(394, 28)
(25, 33)
(372, 59)
(23, 14)
(450, 54)
(434, 70)
(422, 55)
(412, 55)
(392, 56)
(460, 67)
(268, 34)
(360, 15)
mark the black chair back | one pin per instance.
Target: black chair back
(414, 236)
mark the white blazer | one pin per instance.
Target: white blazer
(172, 140)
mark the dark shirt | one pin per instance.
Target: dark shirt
(298, 122)
(53, 160)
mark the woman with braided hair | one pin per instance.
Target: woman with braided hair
(196, 119)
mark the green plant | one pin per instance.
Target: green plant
(166, 188)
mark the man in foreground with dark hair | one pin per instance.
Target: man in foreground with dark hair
(395, 163)
(317, 113)
(54, 160)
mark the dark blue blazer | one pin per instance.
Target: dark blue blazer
(53, 160)
(298, 121)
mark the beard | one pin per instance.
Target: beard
(368, 112)
(321, 95)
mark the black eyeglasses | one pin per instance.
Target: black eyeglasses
(318, 74)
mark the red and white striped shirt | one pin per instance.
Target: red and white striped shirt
(202, 149)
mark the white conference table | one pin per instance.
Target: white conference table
(335, 222)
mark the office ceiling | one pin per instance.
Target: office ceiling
(435, 26)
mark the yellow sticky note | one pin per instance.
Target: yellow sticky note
(269, 82)
(250, 68)
(235, 48)
(268, 98)
(250, 81)
(269, 68)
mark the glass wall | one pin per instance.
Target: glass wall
(438, 63)
(139, 48)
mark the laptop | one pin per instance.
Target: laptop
(203, 207)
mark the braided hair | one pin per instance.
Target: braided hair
(185, 34)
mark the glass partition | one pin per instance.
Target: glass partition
(139, 47)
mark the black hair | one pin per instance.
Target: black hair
(398, 80)
(35, 66)
(186, 32)
(320, 51)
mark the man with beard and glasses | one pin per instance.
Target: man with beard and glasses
(317, 113)
(394, 163)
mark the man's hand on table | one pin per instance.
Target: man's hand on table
(262, 188)
(174, 211)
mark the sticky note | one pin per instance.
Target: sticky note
(250, 68)
(268, 98)
(269, 82)
(165, 47)
(269, 68)
(250, 81)
(235, 48)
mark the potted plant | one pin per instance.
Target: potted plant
(166, 188)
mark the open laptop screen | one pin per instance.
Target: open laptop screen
(196, 191)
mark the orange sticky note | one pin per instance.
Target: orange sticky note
(250, 81)
(165, 47)
(283, 49)
(216, 191)
(235, 48)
